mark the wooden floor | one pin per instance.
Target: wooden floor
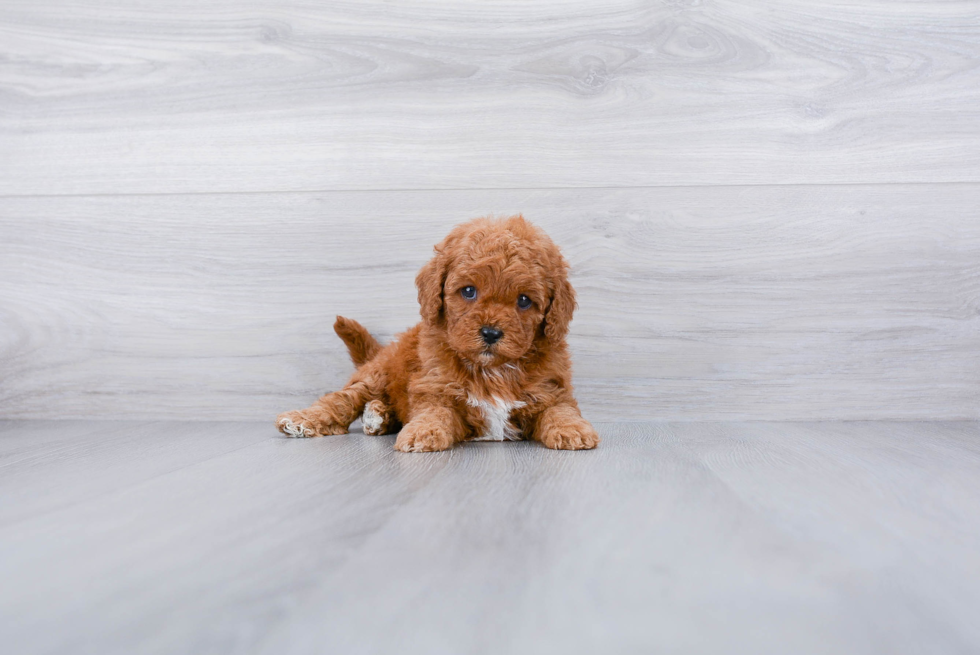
(181, 537)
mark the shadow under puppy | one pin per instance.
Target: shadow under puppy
(488, 361)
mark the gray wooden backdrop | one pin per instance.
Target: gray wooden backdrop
(771, 208)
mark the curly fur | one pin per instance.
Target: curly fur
(360, 344)
(440, 379)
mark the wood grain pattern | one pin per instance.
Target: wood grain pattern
(154, 97)
(780, 303)
(689, 537)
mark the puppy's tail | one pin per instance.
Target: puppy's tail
(362, 346)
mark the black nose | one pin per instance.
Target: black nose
(491, 335)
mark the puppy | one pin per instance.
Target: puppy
(488, 361)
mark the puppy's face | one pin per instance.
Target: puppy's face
(497, 287)
(494, 306)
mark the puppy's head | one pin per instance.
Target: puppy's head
(497, 287)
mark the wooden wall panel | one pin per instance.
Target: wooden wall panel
(223, 96)
(781, 302)
(771, 209)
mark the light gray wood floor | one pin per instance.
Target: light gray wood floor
(157, 537)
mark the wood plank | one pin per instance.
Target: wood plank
(681, 538)
(95, 458)
(778, 537)
(851, 302)
(164, 97)
(165, 554)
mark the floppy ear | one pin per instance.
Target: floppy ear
(559, 313)
(432, 278)
(430, 281)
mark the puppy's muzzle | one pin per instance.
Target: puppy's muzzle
(491, 335)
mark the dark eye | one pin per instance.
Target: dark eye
(523, 302)
(469, 293)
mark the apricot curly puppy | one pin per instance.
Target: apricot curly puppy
(487, 362)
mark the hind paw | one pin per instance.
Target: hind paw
(302, 424)
(377, 418)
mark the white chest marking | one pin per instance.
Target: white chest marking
(496, 419)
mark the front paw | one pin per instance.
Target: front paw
(570, 434)
(302, 423)
(423, 437)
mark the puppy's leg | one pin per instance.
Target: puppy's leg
(334, 412)
(433, 427)
(562, 427)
